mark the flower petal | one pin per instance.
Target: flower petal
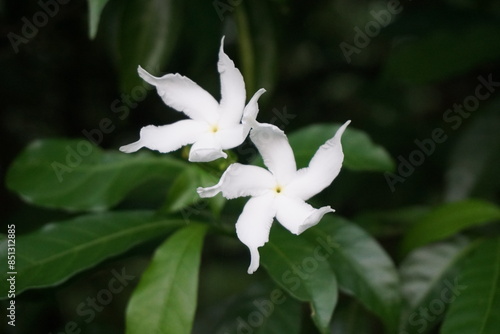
(233, 94)
(296, 215)
(206, 148)
(241, 180)
(167, 138)
(323, 168)
(233, 136)
(182, 94)
(254, 224)
(276, 152)
(252, 109)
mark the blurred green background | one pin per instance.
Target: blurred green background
(397, 85)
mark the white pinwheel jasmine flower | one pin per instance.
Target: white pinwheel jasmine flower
(280, 191)
(213, 126)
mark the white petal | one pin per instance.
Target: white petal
(323, 168)
(233, 94)
(252, 109)
(275, 150)
(254, 224)
(206, 148)
(241, 180)
(232, 136)
(296, 215)
(167, 138)
(184, 95)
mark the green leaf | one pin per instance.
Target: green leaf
(257, 32)
(148, 34)
(476, 309)
(95, 10)
(76, 175)
(390, 223)
(444, 53)
(360, 153)
(293, 263)
(425, 274)
(475, 150)
(165, 299)
(362, 267)
(448, 219)
(59, 250)
(259, 310)
(183, 193)
(352, 318)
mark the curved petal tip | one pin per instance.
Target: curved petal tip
(254, 260)
(314, 218)
(130, 148)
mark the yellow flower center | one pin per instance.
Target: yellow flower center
(214, 128)
(278, 189)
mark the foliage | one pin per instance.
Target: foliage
(414, 244)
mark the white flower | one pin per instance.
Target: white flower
(213, 126)
(282, 190)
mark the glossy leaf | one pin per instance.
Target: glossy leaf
(448, 219)
(360, 153)
(76, 175)
(148, 34)
(294, 265)
(441, 53)
(362, 267)
(182, 192)
(426, 275)
(476, 309)
(165, 299)
(95, 10)
(259, 310)
(59, 250)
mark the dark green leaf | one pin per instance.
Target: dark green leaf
(361, 266)
(444, 53)
(95, 9)
(148, 34)
(360, 153)
(256, 26)
(59, 250)
(425, 274)
(293, 263)
(183, 193)
(476, 308)
(474, 154)
(259, 310)
(352, 318)
(165, 299)
(388, 223)
(76, 175)
(448, 219)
